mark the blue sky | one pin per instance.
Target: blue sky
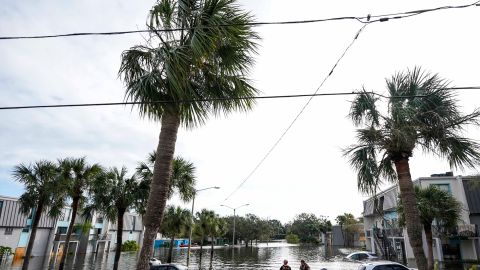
(307, 167)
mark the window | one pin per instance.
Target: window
(444, 187)
(362, 257)
(9, 231)
(26, 230)
(1, 206)
(100, 220)
(62, 230)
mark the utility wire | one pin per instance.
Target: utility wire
(297, 116)
(221, 99)
(362, 19)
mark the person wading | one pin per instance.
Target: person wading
(304, 265)
(285, 266)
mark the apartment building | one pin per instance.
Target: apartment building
(385, 237)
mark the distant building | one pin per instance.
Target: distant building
(385, 237)
(353, 236)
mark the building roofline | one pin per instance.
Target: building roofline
(4, 197)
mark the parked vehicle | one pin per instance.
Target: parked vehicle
(383, 265)
(168, 266)
(154, 262)
(362, 256)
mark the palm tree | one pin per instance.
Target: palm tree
(343, 220)
(434, 205)
(203, 221)
(182, 179)
(175, 221)
(113, 194)
(44, 191)
(208, 59)
(421, 113)
(78, 176)
(216, 227)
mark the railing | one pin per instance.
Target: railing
(98, 237)
(62, 237)
(463, 230)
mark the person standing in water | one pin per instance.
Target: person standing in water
(285, 266)
(304, 265)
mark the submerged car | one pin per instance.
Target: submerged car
(168, 266)
(383, 265)
(362, 256)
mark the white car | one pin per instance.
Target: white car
(362, 256)
(383, 265)
(168, 266)
(154, 262)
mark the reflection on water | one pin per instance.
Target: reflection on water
(262, 256)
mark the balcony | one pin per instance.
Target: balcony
(463, 230)
(99, 237)
(62, 237)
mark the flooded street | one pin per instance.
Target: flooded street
(262, 256)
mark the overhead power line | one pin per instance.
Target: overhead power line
(296, 117)
(361, 19)
(216, 99)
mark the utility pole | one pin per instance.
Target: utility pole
(234, 217)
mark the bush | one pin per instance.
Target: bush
(292, 238)
(130, 245)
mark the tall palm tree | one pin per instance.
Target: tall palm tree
(44, 192)
(344, 220)
(113, 194)
(175, 221)
(216, 227)
(421, 114)
(208, 59)
(182, 179)
(434, 205)
(78, 176)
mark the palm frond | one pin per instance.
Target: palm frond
(363, 109)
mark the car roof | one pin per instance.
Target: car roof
(380, 263)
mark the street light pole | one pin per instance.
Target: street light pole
(234, 218)
(192, 221)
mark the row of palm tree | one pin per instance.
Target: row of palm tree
(50, 186)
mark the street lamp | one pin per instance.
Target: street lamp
(192, 221)
(234, 209)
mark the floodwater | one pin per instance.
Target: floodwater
(261, 256)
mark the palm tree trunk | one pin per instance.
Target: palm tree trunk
(428, 234)
(69, 232)
(36, 220)
(211, 252)
(160, 185)
(201, 251)
(170, 250)
(412, 215)
(118, 248)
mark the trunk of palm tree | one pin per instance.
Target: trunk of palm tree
(170, 249)
(69, 232)
(201, 251)
(343, 235)
(211, 252)
(159, 186)
(118, 248)
(31, 240)
(428, 234)
(412, 215)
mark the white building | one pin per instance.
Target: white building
(385, 237)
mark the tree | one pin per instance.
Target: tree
(182, 179)
(78, 176)
(202, 225)
(175, 221)
(307, 227)
(346, 221)
(434, 205)
(206, 60)
(113, 194)
(421, 112)
(215, 227)
(44, 192)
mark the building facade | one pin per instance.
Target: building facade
(385, 237)
(93, 235)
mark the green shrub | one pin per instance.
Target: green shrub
(130, 245)
(292, 238)
(5, 251)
